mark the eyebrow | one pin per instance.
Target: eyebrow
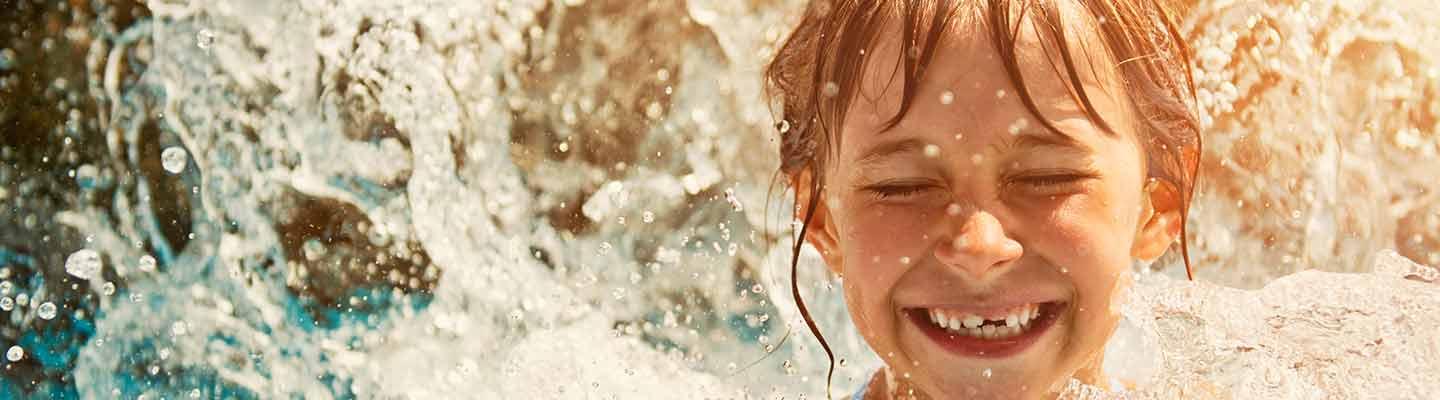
(1024, 140)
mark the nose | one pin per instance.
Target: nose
(979, 245)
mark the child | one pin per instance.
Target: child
(982, 173)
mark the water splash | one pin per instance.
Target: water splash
(417, 199)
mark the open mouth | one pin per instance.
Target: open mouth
(991, 335)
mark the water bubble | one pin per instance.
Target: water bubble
(147, 263)
(109, 288)
(83, 264)
(47, 311)
(15, 353)
(173, 159)
(7, 304)
(648, 217)
(564, 147)
(605, 247)
(204, 39)
(87, 176)
(947, 97)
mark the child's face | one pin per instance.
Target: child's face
(970, 209)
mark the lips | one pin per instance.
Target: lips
(990, 333)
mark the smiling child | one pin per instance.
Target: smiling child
(983, 174)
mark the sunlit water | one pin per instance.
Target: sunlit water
(576, 199)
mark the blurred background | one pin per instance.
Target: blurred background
(559, 199)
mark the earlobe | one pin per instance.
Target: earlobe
(1160, 220)
(820, 232)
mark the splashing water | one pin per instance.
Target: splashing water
(428, 199)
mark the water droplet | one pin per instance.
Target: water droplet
(173, 159)
(1019, 125)
(905, 260)
(952, 209)
(15, 353)
(947, 97)
(7, 304)
(1064, 270)
(734, 201)
(147, 263)
(757, 288)
(783, 126)
(109, 288)
(648, 217)
(87, 176)
(204, 39)
(987, 373)
(842, 362)
(932, 151)
(1000, 94)
(46, 311)
(831, 89)
(564, 147)
(83, 264)
(605, 247)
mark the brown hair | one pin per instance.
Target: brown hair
(816, 74)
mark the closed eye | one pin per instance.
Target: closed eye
(1052, 183)
(887, 191)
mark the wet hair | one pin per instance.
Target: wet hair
(816, 74)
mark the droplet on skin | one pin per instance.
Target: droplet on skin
(987, 373)
(932, 151)
(1000, 94)
(904, 260)
(831, 89)
(648, 217)
(173, 159)
(947, 97)
(1019, 125)
(952, 209)
(7, 304)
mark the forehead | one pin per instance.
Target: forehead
(968, 71)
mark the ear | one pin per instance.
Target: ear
(1160, 218)
(821, 232)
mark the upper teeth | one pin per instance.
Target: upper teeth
(1014, 322)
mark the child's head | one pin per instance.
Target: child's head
(998, 163)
